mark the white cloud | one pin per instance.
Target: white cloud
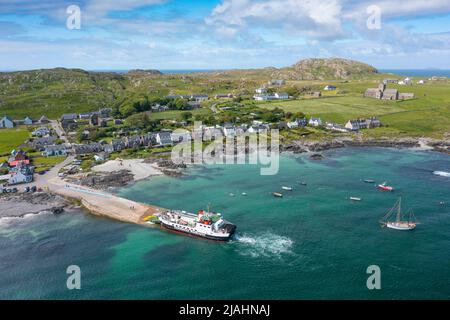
(298, 17)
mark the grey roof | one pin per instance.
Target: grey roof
(56, 147)
(390, 91)
(69, 116)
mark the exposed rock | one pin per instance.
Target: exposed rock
(316, 156)
(333, 68)
(21, 204)
(103, 180)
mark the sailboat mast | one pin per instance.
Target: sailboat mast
(399, 215)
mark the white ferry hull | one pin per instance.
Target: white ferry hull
(192, 232)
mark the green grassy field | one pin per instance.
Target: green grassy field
(60, 91)
(12, 138)
(426, 115)
(176, 114)
(45, 163)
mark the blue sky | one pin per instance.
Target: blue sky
(222, 34)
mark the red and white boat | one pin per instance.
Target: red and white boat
(384, 187)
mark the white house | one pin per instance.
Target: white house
(229, 131)
(22, 173)
(199, 97)
(6, 122)
(182, 136)
(55, 150)
(281, 95)
(292, 125)
(329, 88)
(261, 97)
(261, 90)
(28, 121)
(164, 138)
(315, 122)
(257, 129)
(41, 131)
(335, 127)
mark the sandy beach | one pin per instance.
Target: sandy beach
(137, 167)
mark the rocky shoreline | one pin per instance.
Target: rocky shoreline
(442, 146)
(22, 204)
(117, 179)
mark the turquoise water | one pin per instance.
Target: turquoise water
(313, 243)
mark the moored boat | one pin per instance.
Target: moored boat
(277, 194)
(369, 181)
(286, 188)
(398, 223)
(385, 187)
(355, 199)
(442, 173)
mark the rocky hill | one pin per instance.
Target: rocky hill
(52, 92)
(309, 69)
(321, 69)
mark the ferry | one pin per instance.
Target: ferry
(204, 224)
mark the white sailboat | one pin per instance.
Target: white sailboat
(398, 223)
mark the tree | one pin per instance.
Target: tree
(186, 115)
(181, 104)
(140, 121)
(127, 110)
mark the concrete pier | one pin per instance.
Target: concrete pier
(104, 204)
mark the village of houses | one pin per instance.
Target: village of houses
(51, 142)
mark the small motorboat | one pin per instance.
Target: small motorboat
(302, 183)
(244, 194)
(231, 194)
(442, 173)
(355, 199)
(286, 188)
(277, 194)
(384, 187)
